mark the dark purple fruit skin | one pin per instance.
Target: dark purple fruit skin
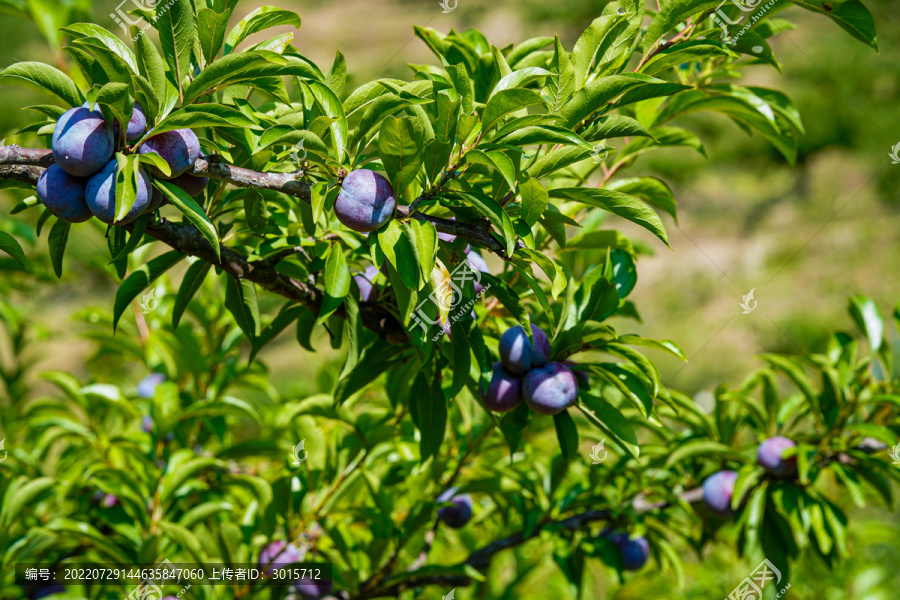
(147, 424)
(63, 195)
(581, 376)
(769, 456)
(108, 501)
(311, 588)
(365, 282)
(48, 590)
(717, 492)
(366, 201)
(540, 350)
(550, 389)
(100, 194)
(460, 513)
(515, 350)
(179, 148)
(192, 185)
(282, 555)
(505, 390)
(82, 142)
(137, 125)
(156, 200)
(635, 551)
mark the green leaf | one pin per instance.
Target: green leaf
(59, 236)
(204, 115)
(262, 18)
(424, 240)
(21, 496)
(497, 216)
(211, 26)
(191, 282)
(241, 302)
(429, 412)
(506, 101)
(561, 83)
(567, 434)
(337, 282)
(627, 207)
(686, 52)
(518, 79)
(610, 420)
(44, 77)
(190, 209)
(334, 110)
(463, 85)
(651, 190)
(596, 38)
(11, 246)
(534, 200)
(90, 31)
(140, 279)
(400, 146)
(542, 134)
(706, 448)
(852, 16)
(672, 14)
(177, 32)
(598, 93)
(127, 175)
(869, 320)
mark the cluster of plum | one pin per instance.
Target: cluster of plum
(718, 489)
(525, 371)
(82, 181)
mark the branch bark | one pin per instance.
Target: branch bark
(286, 183)
(481, 559)
(25, 165)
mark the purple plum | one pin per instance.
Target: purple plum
(137, 125)
(581, 376)
(156, 200)
(365, 281)
(505, 390)
(312, 588)
(280, 554)
(635, 551)
(717, 492)
(191, 184)
(550, 389)
(63, 194)
(366, 201)
(108, 501)
(179, 148)
(770, 458)
(459, 513)
(82, 142)
(147, 386)
(540, 349)
(515, 350)
(447, 237)
(100, 194)
(147, 424)
(48, 590)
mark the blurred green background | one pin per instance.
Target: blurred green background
(803, 237)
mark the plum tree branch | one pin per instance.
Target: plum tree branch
(286, 183)
(480, 559)
(188, 239)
